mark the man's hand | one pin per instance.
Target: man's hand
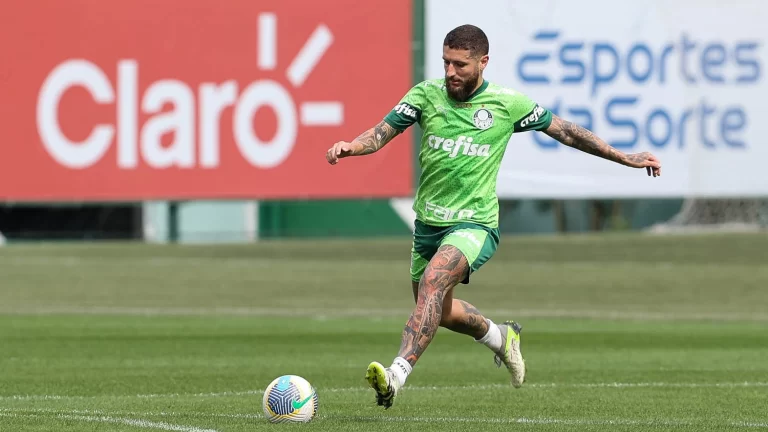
(368, 142)
(339, 150)
(646, 160)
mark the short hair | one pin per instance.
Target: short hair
(467, 37)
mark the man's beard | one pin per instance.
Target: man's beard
(462, 93)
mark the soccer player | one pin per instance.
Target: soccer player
(466, 122)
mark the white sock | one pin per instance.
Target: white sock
(401, 368)
(492, 339)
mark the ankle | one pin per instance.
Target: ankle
(401, 369)
(492, 339)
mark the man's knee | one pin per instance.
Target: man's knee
(431, 283)
(446, 269)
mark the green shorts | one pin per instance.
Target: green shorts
(478, 244)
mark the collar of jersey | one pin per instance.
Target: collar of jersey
(479, 90)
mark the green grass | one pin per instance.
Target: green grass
(620, 332)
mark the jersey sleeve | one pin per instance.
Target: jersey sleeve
(528, 115)
(408, 110)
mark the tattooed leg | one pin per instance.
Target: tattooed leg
(446, 269)
(436, 307)
(465, 319)
(458, 315)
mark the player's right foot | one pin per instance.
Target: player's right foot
(510, 354)
(384, 382)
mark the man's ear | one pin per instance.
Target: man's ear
(484, 61)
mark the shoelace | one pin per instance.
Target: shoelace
(513, 326)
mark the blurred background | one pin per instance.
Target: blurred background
(207, 122)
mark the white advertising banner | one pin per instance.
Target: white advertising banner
(684, 80)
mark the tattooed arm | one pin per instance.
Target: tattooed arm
(368, 142)
(582, 139)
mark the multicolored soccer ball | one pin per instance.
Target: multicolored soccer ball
(290, 398)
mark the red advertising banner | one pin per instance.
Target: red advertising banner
(200, 99)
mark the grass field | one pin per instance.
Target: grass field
(621, 333)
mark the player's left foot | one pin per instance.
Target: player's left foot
(384, 382)
(510, 354)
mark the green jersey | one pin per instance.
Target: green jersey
(462, 146)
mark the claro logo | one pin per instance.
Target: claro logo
(196, 117)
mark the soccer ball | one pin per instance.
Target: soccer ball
(290, 398)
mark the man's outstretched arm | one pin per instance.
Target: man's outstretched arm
(580, 138)
(368, 142)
